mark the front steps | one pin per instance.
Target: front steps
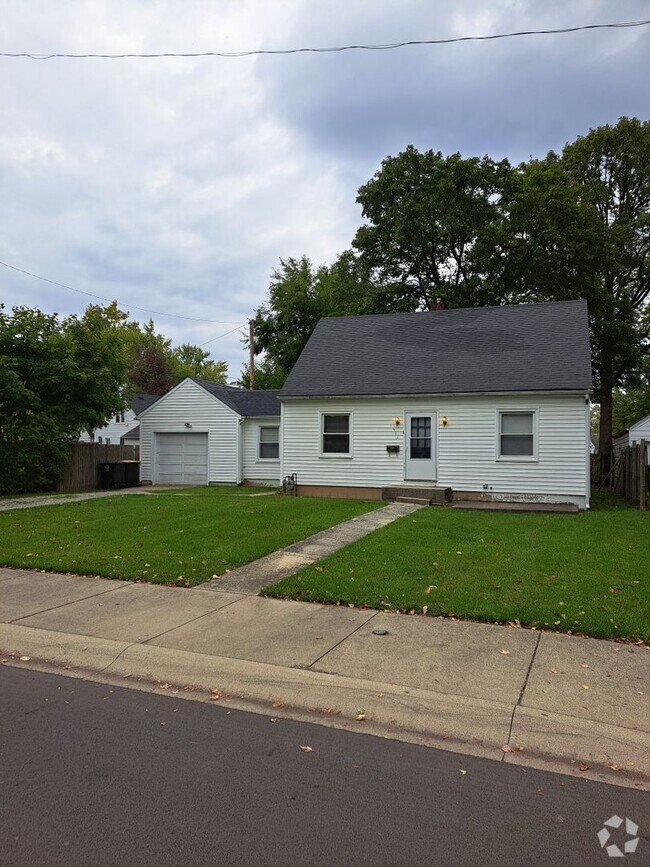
(423, 496)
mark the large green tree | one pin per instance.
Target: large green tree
(612, 166)
(429, 228)
(193, 361)
(56, 378)
(578, 226)
(154, 365)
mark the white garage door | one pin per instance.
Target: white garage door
(181, 458)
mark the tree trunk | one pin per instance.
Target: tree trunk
(605, 434)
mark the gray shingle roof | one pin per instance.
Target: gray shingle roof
(132, 434)
(143, 401)
(244, 402)
(524, 347)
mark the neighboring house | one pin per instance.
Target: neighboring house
(492, 402)
(206, 433)
(121, 426)
(636, 432)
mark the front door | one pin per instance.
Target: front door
(420, 435)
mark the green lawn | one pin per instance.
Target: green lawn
(180, 537)
(586, 574)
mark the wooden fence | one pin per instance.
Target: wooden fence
(82, 473)
(628, 474)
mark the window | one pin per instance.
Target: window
(421, 437)
(107, 441)
(336, 434)
(516, 434)
(119, 417)
(269, 444)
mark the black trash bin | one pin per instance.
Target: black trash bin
(119, 474)
(131, 473)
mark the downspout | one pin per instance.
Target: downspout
(240, 449)
(281, 439)
(588, 447)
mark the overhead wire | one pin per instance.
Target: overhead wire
(390, 46)
(120, 303)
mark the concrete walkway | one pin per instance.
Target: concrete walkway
(542, 699)
(260, 573)
(62, 499)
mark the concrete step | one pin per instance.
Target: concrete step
(436, 496)
(418, 501)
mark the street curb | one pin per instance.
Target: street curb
(450, 722)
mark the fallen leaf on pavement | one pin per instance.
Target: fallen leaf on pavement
(505, 652)
(216, 694)
(307, 749)
(25, 658)
(507, 748)
(361, 717)
(583, 767)
(462, 773)
(278, 704)
(165, 686)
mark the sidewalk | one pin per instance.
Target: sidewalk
(550, 700)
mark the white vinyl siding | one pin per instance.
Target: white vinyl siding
(467, 446)
(255, 469)
(188, 403)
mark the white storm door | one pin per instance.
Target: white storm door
(420, 442)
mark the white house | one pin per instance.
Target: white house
(491, 402)
(122, 427)
(636, 432)
(206, 433)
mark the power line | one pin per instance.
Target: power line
(329, 50)
(219, 336)
(120, 303)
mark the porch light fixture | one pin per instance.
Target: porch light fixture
(187, 424)
(444, 421)
(397, 421)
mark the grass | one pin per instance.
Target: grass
(180, 537)
(586, 574)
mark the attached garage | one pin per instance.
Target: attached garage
(181, 458)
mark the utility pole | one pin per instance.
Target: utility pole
(251, 355)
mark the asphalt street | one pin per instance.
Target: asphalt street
(93, 774)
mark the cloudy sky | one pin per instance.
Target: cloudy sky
(177, 184)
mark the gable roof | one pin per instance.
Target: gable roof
(242, 401)
(132, 434)
(141, 402)
(524, 347)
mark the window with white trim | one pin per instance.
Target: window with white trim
(335, 433)
(517, 434)
(269, 445)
